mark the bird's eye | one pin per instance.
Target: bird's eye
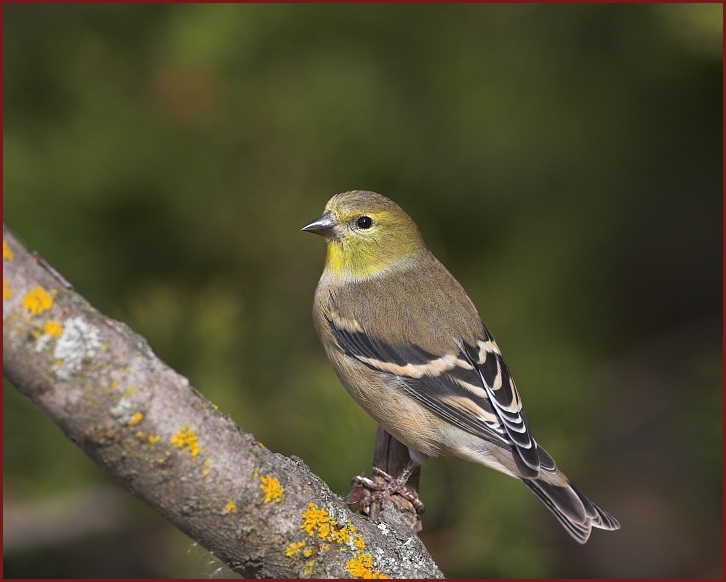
(364, 222)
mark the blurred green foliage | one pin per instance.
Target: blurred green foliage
(564, 161)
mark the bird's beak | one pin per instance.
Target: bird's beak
(324, 226)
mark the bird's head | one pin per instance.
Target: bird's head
(367, 235)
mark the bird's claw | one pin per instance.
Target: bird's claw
(362, 495)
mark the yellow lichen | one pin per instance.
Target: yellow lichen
(230, 507)
(53, 328)
(153, 438)
(312, 518)
(205, 470)
(7, 291)
(318, 522)
(362, 567)
(130, 390)
(37, 301)
(7, 252)
(186, 438)
(359, 542)
(294, 548)
(136, 419)
(272, 489)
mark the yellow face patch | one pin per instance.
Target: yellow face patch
(349, 260)
(371, 235)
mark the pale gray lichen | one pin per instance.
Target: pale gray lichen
(79, 341)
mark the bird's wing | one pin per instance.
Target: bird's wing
(471, 387)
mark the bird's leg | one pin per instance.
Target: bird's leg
(392, 485)
(398, 485)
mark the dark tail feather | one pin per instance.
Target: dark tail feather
(575, 512)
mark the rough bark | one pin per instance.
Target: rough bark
(263, 514)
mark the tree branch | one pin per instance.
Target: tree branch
(263, 514)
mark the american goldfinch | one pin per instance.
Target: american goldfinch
(408, 345)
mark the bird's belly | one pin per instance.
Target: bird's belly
(399, 414)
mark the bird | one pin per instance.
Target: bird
(409, 346)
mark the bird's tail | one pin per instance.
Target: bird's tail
(575, 512)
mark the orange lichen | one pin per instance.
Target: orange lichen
(230, 507)
(7, 251)
(272, 489)
(162, 460)
(205, 467)
(362, 567)
(318, 523)
(294, 548)
(37, 301)
(186, 438)
(53, 328)
(136, 419)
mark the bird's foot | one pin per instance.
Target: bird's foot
(367, 491)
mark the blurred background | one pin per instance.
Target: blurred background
(563, 161)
